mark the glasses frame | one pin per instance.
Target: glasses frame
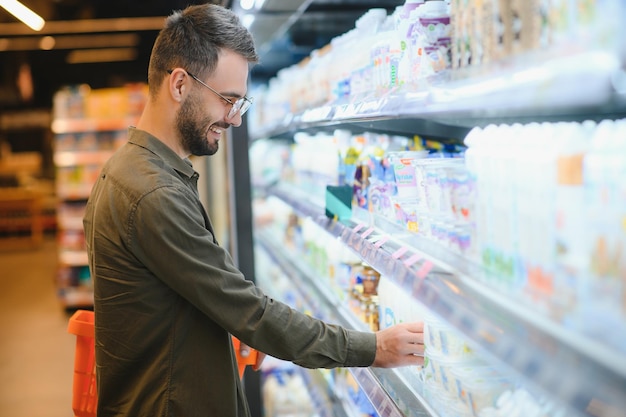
(241, 105)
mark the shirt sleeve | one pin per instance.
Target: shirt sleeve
(169, 236)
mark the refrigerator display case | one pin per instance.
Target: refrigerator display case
(554, 347)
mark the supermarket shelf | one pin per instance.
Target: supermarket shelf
(90, 125)
(74, 192)
(324, 400)
(68, 222)
(384, 387)
(73, 258)
(585, 376)
(76, 297)
(327, 402)
(21, 221)
(73, 158)
(451, 103)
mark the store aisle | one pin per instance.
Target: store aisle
(36, 352)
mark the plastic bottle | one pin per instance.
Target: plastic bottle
(362, 78)
(434, 27)
(571, 216)
(601, 291)
(519, 151)
(541, 262)
(415, 47)
(406, 20)
(396, 305)
(484, 174)
(378, 54)
(472, 142)
(434, 20)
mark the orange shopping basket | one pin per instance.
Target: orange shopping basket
(84, 394)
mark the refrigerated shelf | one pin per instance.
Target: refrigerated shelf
(583, 375)
(450, 103)
(387, 389)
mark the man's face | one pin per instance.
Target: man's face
(195, 127)
(203, 115)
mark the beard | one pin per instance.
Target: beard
(193, 128)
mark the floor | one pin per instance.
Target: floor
(36, 352)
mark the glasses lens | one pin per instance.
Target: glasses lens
(245, 105)
(240, 106)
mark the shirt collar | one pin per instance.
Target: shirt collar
(154, 145)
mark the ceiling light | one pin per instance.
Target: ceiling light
(246, 4)
(47, 43)
(23, 13)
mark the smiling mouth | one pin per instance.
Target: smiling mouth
(216, 129)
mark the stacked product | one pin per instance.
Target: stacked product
(397, 55)
(417, 184)
(288, 390)
(89, 125)
(550, 215)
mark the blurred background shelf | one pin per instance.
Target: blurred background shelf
(21, 219)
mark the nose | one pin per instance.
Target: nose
(234, 121)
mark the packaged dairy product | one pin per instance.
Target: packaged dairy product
(396, 305)
(404, 172)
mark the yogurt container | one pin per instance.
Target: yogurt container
(479, 385)
(404, 172)
(443, 339)
(438, 370)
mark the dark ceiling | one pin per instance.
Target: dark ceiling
(286, 31)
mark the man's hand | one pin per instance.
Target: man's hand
(400, 345)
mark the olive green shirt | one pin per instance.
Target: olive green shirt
(168, 297)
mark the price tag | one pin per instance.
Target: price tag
(367, 232)
(358, 227)
(381, 241)
(414, 258)
(426, 267)
(397, 254)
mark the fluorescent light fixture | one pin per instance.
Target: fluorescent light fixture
(23, 13)
(88, 56)
(246, 4)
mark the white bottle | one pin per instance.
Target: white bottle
(602, 292)
(405, 23)
(362, 79)
(434, 27)
(570, 215)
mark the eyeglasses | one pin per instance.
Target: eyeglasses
(241, 105)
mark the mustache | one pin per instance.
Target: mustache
(222, 125)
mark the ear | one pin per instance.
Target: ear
(177, 84)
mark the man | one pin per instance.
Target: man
(167, 296)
